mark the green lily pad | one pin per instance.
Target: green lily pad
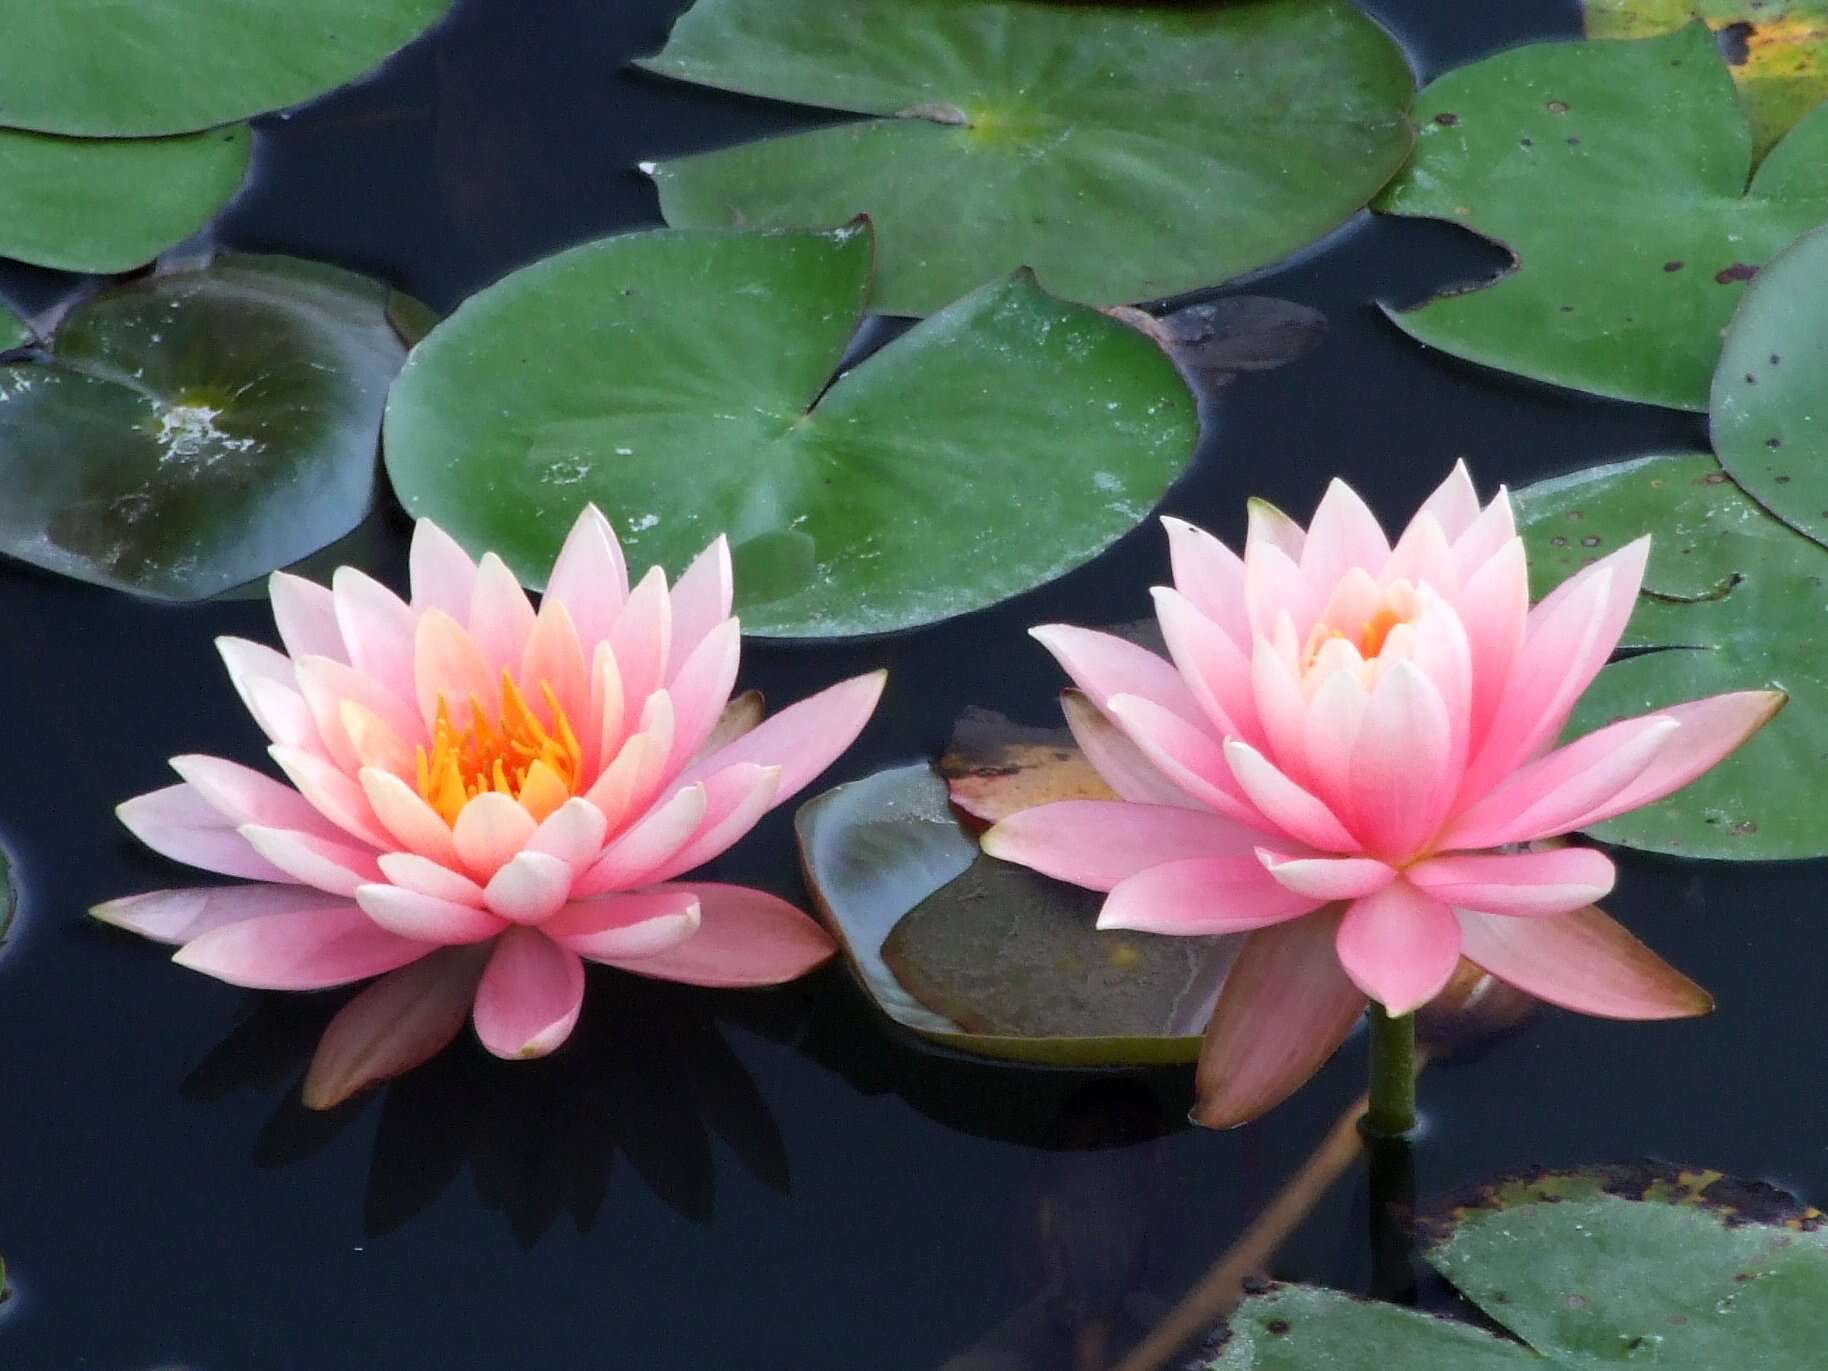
(186, 433)
(1621, 1266)
(174, 66)
(1732, 597)
(1616, 175)
(1770, 409)
(1777, 49)
(110, 205)
(1125, 153)
(682, 380)
(988, 958)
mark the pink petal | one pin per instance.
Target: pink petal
(1098, 843)
(603, 728)
(426, 918)
(1547, 797)
(626, 926)
(1400, 946)
(1493, 607)
(735, 800)
(307, 949)
(448, 666)
(1711, 729)
(245, 796)
(413, 823)
(1285, 1008)
(1211, 664)
(530, 995)
(1326, 878)
(407, 1017)
(656, 725)
(442, 574)
(642, 636)
(332, 793)
(489, 830)
(529, 888)
(376, 744)
(1104, 666)
(1343, 534)
(554, 658)
(1329, 739)
(1454, 504)
(177, 916)
(336, 868)
(745, 937)
(658, 835)
(590, 577)
(305, 614)
(1485, 537)
(1274, 586)
(1583, 961)
(1402, 781)
(701, 688)
(177, 822)
(501, 618)
(1270, 527)
(573, 833)
(1200, 896)
(1188, 757)
(1284, 804)
(804, 738)
(378, 627)
(1211, 576)
(1115, 758)
(740, 716)
(1423, 556)
(281, 713)
(327, 685)
(412, 872)
(701, 599)
(1525, 884)
(1281, 707)
(613, 793)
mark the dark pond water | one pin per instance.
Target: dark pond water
(766, 1181)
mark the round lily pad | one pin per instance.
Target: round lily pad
(683, 381)
(1770, 407)
(174, 66)
(1125, 153)
(1777, 49)
(110, 205)
(989, 958)
(1617, 176)
(186, 433)
(1731, 602)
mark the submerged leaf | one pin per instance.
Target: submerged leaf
(1616, 174)
(186, 433)
(1732, 600)
(110, 205)
(995, 767)
(1125, 153)
(14, 331)
(9, 896)
(869, 503)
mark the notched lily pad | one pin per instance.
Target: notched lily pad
(1777, 49)
(1124, 152)
(1685, 1270)
(174, 66)
(110, 205)
(1616, 174)
(1732, 601)
(863, 504)
(186, 433)
(1770, 403)
(986, 958)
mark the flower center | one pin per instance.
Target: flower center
(1358, 622)
(519, 755)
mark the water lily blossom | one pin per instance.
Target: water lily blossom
(1351, 756)
(484, 796)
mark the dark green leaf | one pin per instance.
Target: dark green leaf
(1616, 174)
(186, 433)
(110, 205)
(1734, 597)
(682, 380)
(1125, 153)
(174, 66)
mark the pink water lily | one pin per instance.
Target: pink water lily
(1352, 755)
(483, 797)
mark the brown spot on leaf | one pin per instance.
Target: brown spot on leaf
(1736, 42)
(1526, 142)
(1739, 271)
(1774, 442)
(1277, 1326)
(1714, 478)
(1446, 119)
(1591, 540)
(1674, 266)
(1577, 1301)
(1745, 828)
(1557, 107)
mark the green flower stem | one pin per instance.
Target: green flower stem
(1393, 1067)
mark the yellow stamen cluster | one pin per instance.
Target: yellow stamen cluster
(519, 755)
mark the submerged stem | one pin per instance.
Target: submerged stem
(1393, 1068)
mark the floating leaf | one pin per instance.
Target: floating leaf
(994, 767)
(1733, 596)
(1124, 153)
(990, 958)
(1220, 340)
(1777, 49)
(110, 205)
(1683, 1270)
(683, 381)
(175, 66)
(186, 433)
(1770, 408)
(1616, 174)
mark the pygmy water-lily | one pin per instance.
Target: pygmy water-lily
(484, 796)
(1353, 757)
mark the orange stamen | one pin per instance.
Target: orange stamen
(518, 755)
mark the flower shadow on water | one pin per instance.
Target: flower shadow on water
(645, 1083)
